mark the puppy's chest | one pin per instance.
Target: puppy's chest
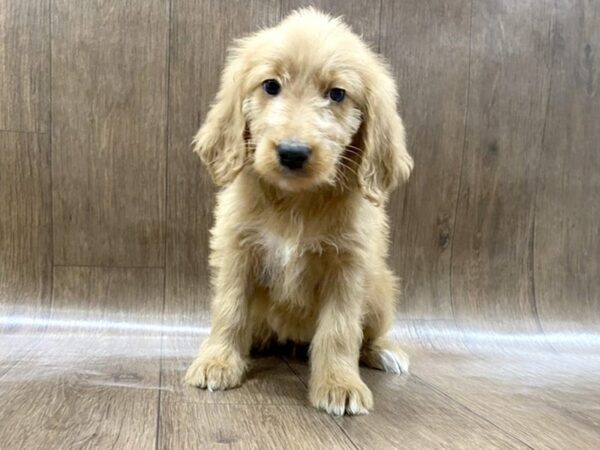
(289, 266)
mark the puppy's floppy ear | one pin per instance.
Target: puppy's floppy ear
(385, 160)
(220, 141)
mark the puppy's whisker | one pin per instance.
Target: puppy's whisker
(343, 180)
(352, 168)
(353, 172)
(347, 158)
(354, 150)
(354, 147)
(355, 165)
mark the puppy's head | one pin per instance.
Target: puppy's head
(306, 104)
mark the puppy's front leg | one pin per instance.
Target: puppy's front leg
(222, 359)
(335, 383)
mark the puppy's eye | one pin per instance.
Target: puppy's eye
(337, 94)
(271, 87)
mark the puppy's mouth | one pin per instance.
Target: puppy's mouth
(304, 172)
(294, 179)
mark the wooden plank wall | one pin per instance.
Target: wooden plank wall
(497, 228)
(109, 116)
(25, 178)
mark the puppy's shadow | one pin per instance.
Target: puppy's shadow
(287, 349)
(294, 355)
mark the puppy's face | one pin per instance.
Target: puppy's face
(306, 104)
(302, 115)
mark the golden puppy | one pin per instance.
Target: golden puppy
(306, 140)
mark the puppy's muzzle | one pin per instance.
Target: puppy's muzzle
(293, 154)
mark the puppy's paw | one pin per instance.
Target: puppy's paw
(216, 373)
(385, 355)
(339, 398)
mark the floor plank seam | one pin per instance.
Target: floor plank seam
(52, 228)
(165, 231)
(334, 420)
(462, 162)
(537, 178)
(380, 22)
(465, 407)
(167, 133)
(293, 371)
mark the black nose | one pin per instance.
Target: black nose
(293, 154)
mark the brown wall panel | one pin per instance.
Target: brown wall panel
(567, 230)
(112, 294)
(25, 223)
(427, 43)
(25, 241)
(24, 63)
(492, 248)
(109, 93)
(499, 99)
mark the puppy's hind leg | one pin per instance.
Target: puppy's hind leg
(378, 350)
(384, 354)
(263, 337)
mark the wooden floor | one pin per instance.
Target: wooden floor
(104, 217)
(105, 373)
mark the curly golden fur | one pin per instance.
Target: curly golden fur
(300, 255)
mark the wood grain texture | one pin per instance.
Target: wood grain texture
(109, 86)
(90, 381)
(492, 247)
(567, 234)
(410, 414)
(201, 31)
(193, 425)
(530, 394)
(427, 44)
(25, 241)
(362, 16)
(25, 221)
(24, 63)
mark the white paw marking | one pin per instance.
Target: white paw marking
(355, 407)
(394, 362)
